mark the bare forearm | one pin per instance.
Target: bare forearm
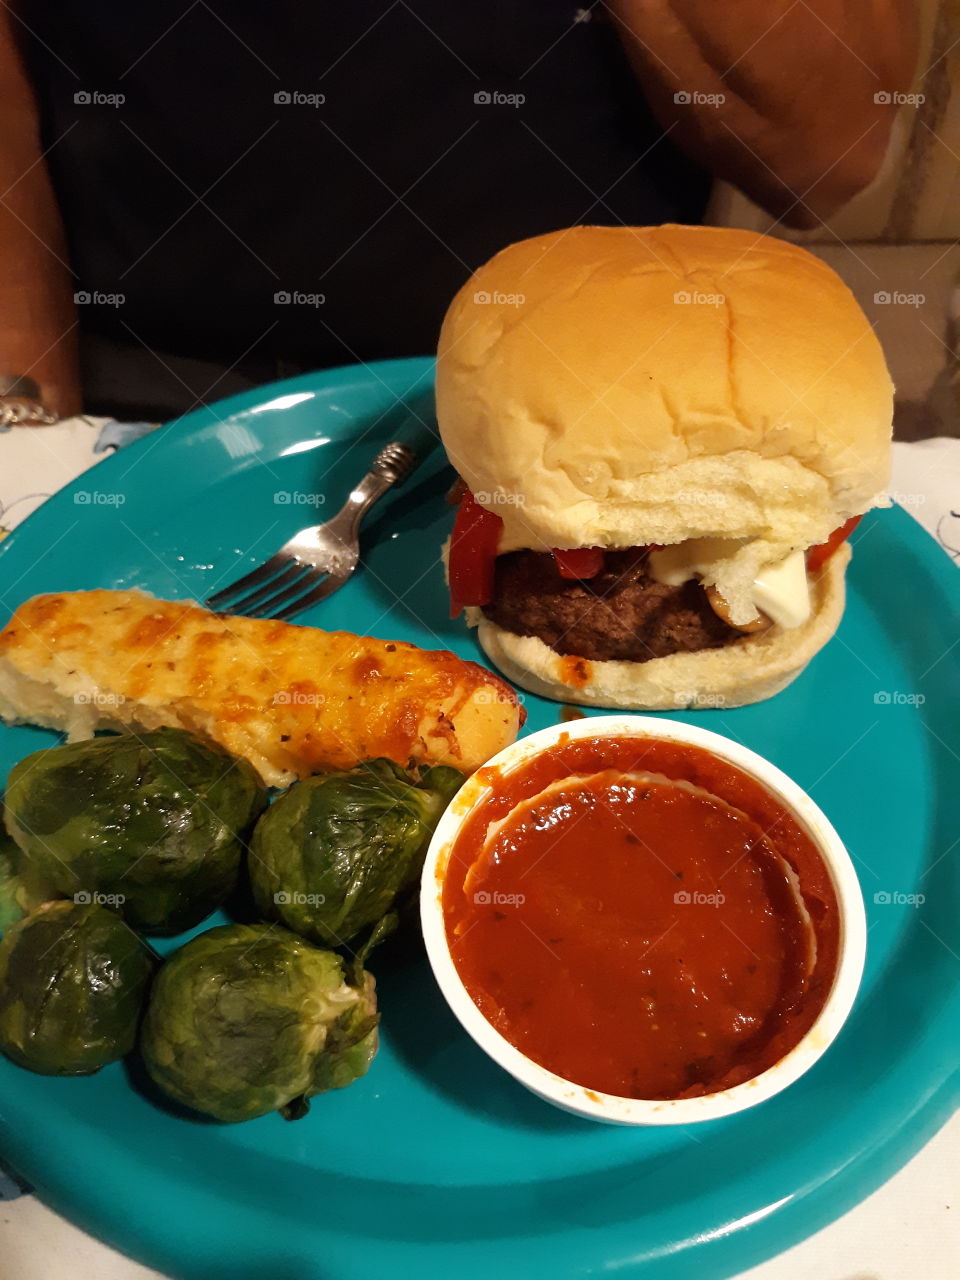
(791, 102)
(37, 317)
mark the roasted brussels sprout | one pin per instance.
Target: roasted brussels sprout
(22, 890)
(73, 982)
(153, 822)
(248, 1019)
(330, 856)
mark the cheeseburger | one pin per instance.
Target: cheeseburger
(665, 436)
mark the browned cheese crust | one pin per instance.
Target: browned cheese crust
(293, 700)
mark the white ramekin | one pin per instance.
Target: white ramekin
(607, 1107)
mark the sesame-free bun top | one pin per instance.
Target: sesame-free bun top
(615, 386)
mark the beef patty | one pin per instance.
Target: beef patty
(622, 614)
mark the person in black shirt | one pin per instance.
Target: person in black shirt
(199, 196)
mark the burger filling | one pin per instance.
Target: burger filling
(631, 604)
(621, 614)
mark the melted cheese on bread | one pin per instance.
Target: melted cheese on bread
(292, 700)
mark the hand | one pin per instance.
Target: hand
(793, 103)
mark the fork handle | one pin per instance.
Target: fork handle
(388, 469)
(394, 462)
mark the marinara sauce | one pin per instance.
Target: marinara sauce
(641, 917)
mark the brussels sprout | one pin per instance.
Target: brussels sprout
(22, 890)
(151, 821)
(73, 980)
(248, 1019)
(331, 855)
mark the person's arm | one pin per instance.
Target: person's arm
(37, 314)
(792, 102)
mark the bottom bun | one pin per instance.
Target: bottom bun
(733, 676)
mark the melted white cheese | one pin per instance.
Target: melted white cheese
(781, 592)
(676, 564)
(780, 589)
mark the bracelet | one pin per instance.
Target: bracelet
(20, 403)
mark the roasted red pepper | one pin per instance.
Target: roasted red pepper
(473, 553)
(579, 562)
(818, 556)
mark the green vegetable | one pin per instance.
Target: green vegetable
(248, 1019)
(22, 890)
(73, 980)
(151, 823)
(330, 856)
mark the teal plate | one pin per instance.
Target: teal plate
(437, 1163)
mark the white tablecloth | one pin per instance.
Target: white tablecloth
(908, 1230)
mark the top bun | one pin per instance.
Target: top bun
(616, 386)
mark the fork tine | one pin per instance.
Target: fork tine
(326, 588)
(286, 578)
(252, 579)
(305, 582)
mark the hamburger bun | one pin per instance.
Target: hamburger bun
(625, 386)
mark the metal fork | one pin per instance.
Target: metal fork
(316, 562)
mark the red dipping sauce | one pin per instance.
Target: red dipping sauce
(641, 917)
